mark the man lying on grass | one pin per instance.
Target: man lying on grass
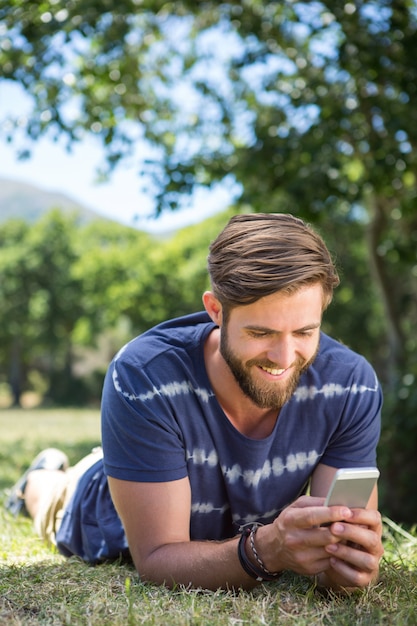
(214, 426)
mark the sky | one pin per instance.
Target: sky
(52, 168)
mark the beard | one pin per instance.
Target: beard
(262, 393)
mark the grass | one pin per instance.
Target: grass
(38, 586)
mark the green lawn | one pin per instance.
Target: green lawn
(38, 586)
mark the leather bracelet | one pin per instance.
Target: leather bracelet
(256, 555)
(250, 568)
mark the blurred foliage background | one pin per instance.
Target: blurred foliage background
(306, 107)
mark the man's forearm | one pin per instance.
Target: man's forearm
(206, 564)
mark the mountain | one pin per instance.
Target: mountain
(20, 200)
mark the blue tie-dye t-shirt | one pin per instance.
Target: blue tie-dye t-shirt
(161, 421)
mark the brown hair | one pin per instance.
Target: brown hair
(258, 254)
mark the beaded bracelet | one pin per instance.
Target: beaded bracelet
(259, 574)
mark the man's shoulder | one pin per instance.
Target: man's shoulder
(184, 333)
(183, 326)
(334, 348)
(334, 354)
(337, 371)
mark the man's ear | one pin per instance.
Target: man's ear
(213, 307)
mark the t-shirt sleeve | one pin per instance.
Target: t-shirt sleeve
(354, 442)
(140, 435)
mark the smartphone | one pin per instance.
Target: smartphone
(352, 487)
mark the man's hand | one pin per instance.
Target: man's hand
(355, 557)
(345, 553)
(297, 539)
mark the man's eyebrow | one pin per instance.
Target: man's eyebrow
(266, 329)
(308, 327)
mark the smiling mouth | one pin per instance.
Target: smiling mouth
(272, 370)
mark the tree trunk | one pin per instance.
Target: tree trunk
(15, 371)
(388, 290)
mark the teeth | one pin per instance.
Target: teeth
(273, 371)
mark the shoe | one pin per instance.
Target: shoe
(49, 459)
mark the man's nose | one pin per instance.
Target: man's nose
(282, 352)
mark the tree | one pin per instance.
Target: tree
(39, 303)
(55, 305)
(112, 264)
(310, 106)
(315, 105)
(15, 295)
